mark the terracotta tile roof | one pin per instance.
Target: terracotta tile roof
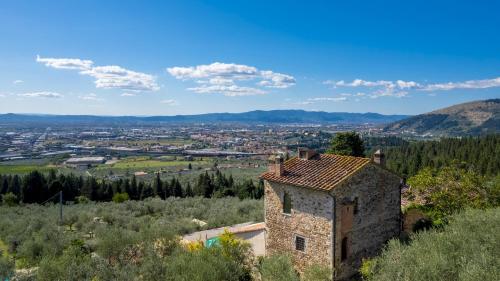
(323, 172)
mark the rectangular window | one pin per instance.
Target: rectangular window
(300, 243)
(287, 203)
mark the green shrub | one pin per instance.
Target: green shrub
(6, 267)
(10, 199)
(204, 265)
(82, 200)
(367, 269)
(318, 272)
(120, 197)
(278, 268)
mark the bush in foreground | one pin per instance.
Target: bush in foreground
(6, 267)
(466, 249)
(278, 268)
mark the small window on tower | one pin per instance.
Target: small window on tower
(300, 243)
(287, 203)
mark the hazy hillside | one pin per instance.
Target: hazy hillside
(258, 116)
(472, 118)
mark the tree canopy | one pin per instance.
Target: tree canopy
(347, 143)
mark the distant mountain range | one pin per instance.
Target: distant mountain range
(258, 116)
(472, 118)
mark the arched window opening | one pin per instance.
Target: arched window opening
(344, 249)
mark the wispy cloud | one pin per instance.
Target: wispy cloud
(42, 95)
(17, 81)
(106, 77)
(229, 90)
(397, 88)
(334, 99)
(65, 63)
(169, 102)
(310, 101)
(400, 88)
(91, 97)
(128, 95)
(471, 84)
(227, 79)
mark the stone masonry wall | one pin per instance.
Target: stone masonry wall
(375, 195)
(311, 217)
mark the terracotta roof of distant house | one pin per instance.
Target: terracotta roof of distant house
(323, 172)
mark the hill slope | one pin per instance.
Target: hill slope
(258, 116)
(472, 118)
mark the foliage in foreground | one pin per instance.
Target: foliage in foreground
(108, 237)
(278, 268)
(467, 249)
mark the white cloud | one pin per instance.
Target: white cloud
(364, 83)
(116, 77)
(65, 63)
(276, 80)
(227, 79)
(128, 95)
(407, 84)
(108, 76)
(216, 69)
(471, 84)
(169, 102)
(41, 95)
(17, 81)
(217, 81)
(91, 97)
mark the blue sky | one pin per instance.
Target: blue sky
(187, 57)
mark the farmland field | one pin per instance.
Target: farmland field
(144, 164)
(23, 169)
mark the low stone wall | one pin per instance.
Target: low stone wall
(410, 217)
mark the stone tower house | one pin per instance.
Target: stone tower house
(330, 209)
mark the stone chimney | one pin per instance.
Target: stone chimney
(271, 164)
(306, 153)
(275, 165)
(279, 167)
(379, 158)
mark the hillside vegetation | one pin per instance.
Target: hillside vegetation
(129, 241)
(472, 118)
(481, 154)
